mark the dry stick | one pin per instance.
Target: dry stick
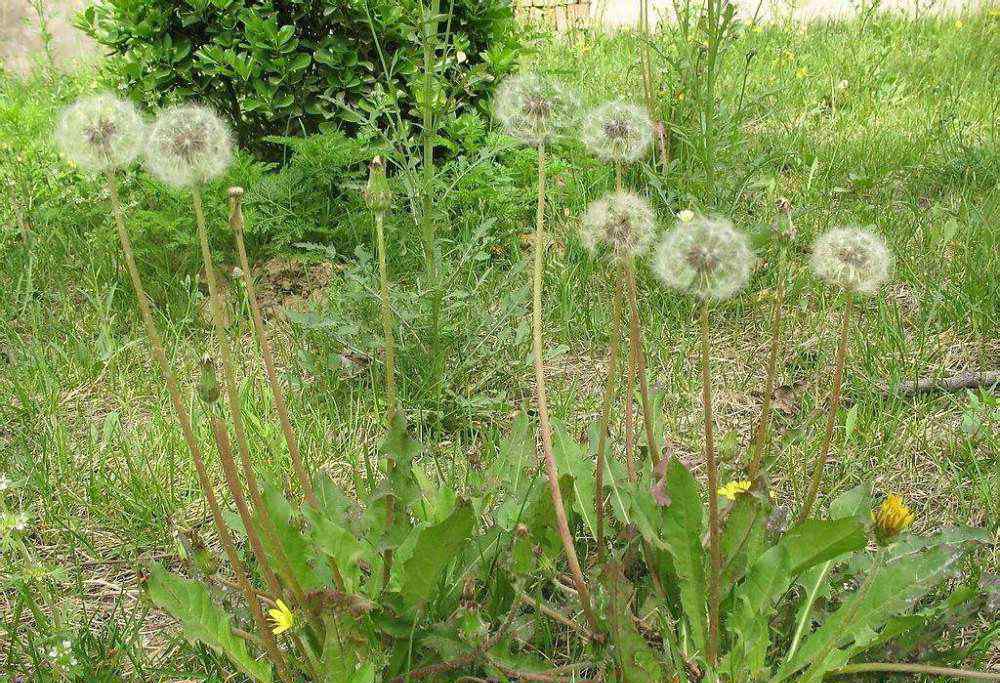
(602, 437)
(760, 437)
(635, 335)
(889, 667)
(233, 481)
(715, 551)
(235, 409)
(182, 417)
(959, 382)
(543, 409)
(236, 223)
(824, 451)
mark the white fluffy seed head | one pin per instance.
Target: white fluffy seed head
(534, 109)
(705, 256)
(623, 223)
(853, 259)
(100, 133)
(188, 145)
(618, 131)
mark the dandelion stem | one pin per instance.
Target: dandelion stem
(543, 411)
(233, 402)
(225, 449)
(714, 549)
(237, 224)
(387, 322)
(630, 412)
(831, 417)
(635, 335)
(185, 422)
(761, 434)
(602, 435)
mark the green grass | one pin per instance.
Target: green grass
(892, 123)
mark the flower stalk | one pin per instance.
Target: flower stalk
(762, 432)
(602, 436)
(714, 547)
(831, 416)
(236, 223)
(204, 480)
(638, 351)
(583, 592)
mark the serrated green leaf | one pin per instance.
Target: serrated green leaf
(435, 547)
(202, 620)
(572, 459)
(636, 660)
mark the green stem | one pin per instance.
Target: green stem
(427, 224)
(387, 321)
(761, 434)
(889, 667)
(715, 551)
(602, 436)
(237, 225)
(831, 417)
(635, 335)
(583, 592)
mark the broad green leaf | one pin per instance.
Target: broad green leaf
(636, 660)
(343, 649)
(572, 459)
(811, 543)
(202, 620)
(742, 537)
(339, 545)
(435, 547)
(292, 553)
(680, 527)
(893, 588)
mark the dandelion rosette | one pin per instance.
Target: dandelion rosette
(535, 109)
(623, 222)
(618, 131)
(706, 256)
(188, 145)
(852, 258)
(892, 517)
(100, 133)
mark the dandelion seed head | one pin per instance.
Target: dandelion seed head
(622, 222)
(852, 258)
(188, 145)
(705, 256)
(100, 133)
(618, 131)
(535, 109)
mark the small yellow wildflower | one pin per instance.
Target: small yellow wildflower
(801, 72)
(734, 488)
(281, 616)
(680, 96)
(686, 216)
(959, 23)
(891, 518)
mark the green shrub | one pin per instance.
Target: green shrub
(300, 66)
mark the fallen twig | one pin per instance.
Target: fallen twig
(959, 382)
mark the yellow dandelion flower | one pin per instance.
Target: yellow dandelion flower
(734, 488)
(891, 518)
(281, 617)
(801, 72)
(680, 96)
(959, 23)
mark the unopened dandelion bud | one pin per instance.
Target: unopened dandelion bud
(621, 222)
(890, 519)
(852, 259)
(188, 145)
(534, 109)
(378, 194)
(208, 382)
(618, 132)
(100, 133)
(705, 256)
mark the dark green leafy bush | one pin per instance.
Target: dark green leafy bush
(287, 67)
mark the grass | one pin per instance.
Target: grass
(888, 122)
